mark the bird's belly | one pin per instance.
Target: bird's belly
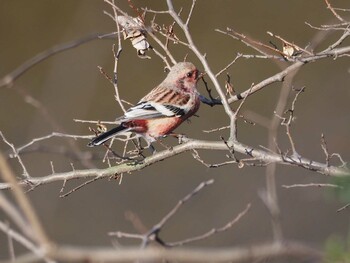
(163, 126)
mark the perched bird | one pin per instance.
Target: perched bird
(161, 110)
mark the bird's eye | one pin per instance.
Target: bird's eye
(189, 74)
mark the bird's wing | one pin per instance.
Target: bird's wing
(151, 110)
(159, 103)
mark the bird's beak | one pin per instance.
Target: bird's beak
(199, 75)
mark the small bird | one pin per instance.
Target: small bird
(163, 109)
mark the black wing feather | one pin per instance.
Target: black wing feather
(177, 111)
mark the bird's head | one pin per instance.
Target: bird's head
(184, 74)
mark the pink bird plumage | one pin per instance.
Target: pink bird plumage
(163, 109)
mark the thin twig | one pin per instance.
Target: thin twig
(9, 242)
(334, 12)
(233, 124)
(53, 134)
(341, 9)
(116, 7)
(343, 208)
(153, 233)
(325, 149)
(16, 155)
(42, 109)
(278, 77)
(24, 242)
(256, 45)
(12, 76)
(23, 202)
(197, 157)
(136, 222)
(164, 47)
(288, 122)
(290, 44)
(95, 122)
(212, 231)
(80, 186)
(182, 202)
(15, 215)
(216, 129)
(116, 60)
(190, 13)
(311, 185)
(228, 65)
(345, 35)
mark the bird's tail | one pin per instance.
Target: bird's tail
(106, 136)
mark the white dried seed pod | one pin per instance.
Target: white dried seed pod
(134, 30)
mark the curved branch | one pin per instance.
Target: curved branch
(12, 76)
(258, 154)
(281, 75)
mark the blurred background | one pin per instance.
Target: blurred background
(69, 86)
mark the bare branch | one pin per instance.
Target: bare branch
(190, 13)
(217, 129)
(202, 59)
(11, 77)
(16, 155)
(116, 60)
(24, 242)
(166, 50)
(153, 233)
(8, 176)
(229, 65)
(233, 124)
(281, 75)
(297, 48)
(12, 212)
(54, 134)
(262, 155)
(233, 255)
(75, 151)
(343, 208)
(10, 244)
(311, 185)
(341, 9)
(183, 201)
(79, 186)
(334, 12)
(196, 156)
(337, 43)
(287, 122)
(212, 231)
(96, 122)
(116, 7)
